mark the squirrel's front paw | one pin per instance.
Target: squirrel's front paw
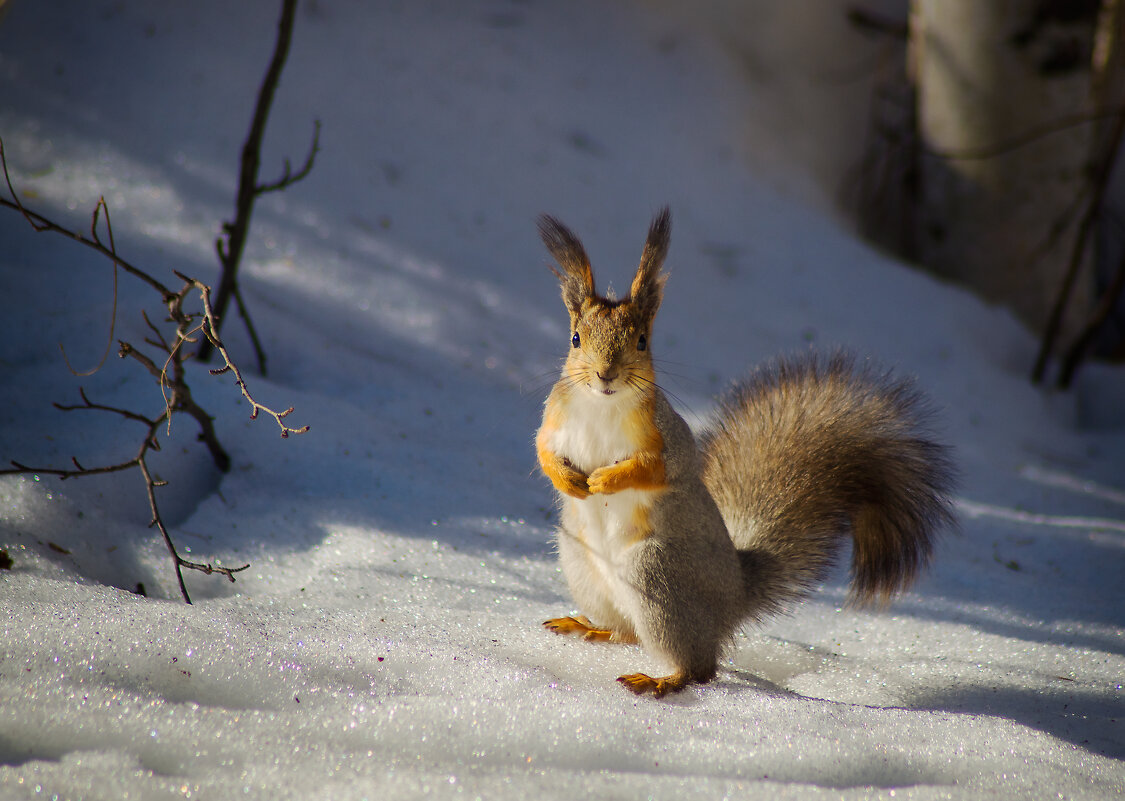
(604, 481)
(574, 484)
(567, 479)
(639, 472)
(613, 478)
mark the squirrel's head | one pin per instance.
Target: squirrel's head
(609, 337)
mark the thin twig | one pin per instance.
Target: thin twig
(64, 473)
(244, 313)
(236, 231)
(160, 341)
(113, 312)
(231, 367)
(88, 404)
(158, 522)
(41, 224)
(1097, 318)
(287, 179)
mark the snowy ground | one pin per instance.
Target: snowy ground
(385, 642)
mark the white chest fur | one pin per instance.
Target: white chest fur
(596, 433)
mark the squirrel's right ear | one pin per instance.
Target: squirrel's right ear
(576, 278)
(648, 285)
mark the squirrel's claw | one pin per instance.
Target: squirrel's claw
(640, 683)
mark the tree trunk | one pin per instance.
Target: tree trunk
(1001, 173)
(1109, 101)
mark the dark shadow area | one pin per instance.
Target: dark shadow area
(15, 752)
(1065, 582)
(1091, 721)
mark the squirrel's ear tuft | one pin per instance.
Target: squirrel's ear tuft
(648, 285)
(576, 277)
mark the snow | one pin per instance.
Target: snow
(385, 641)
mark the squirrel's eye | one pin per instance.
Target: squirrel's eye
(642, 343)
(575, 341)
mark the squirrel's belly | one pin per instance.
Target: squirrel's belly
(599, 558)
(611, 524)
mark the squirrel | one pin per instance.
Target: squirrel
(673, 542)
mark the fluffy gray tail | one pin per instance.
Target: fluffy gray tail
(808, 450)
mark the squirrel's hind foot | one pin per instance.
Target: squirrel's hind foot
(582, 626)
(640, 683)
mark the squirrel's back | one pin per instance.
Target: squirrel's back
(808, 447)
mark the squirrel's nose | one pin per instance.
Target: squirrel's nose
(607, 375)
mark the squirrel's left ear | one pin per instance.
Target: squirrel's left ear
(576, 278)
(648, 284)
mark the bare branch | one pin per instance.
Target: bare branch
(231, 367)
(63, 473)
(113, 312)
(160, 341)
(244, 313)
(33, 219)
(158, 522)
(126, 413)
(41, 224)
(287, 179)
(149, 442)
(1100, 184)
(171, 375)
(235, 232)
(128, 350)
(1100, 314)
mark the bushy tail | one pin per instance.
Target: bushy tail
(809, 449)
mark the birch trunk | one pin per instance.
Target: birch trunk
(988, 73)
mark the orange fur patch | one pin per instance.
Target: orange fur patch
(640, 525)
(566, 479)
